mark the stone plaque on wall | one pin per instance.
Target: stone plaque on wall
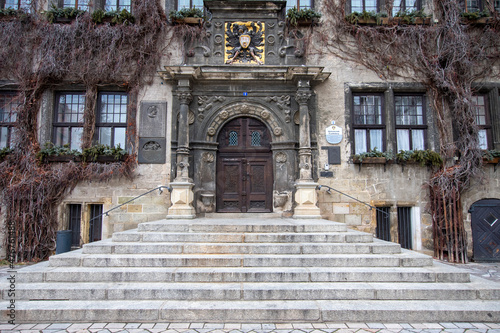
(152, 150)
(153, 119)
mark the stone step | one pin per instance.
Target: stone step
(285, 237)
(437, 273)
(256, 291)
(76, 258)
(239, 248)
(226, 225)
(255, 311)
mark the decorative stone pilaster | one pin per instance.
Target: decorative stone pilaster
(182, 188)
(305, 195)
(182, 201)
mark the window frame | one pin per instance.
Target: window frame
(417, 2)
(487, 116)
(377, 6)
(423, 127)
(118, 6)
(296, 3)
(10, 125)
(70, 125)
(20, 5)
(190, 5)
(112, 125)
(88, 6)
(368, 127)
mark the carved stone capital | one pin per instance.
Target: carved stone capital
(184, 97)
(302, 96)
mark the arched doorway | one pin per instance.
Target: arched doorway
(244, 167)
(485, 220)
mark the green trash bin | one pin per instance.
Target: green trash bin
(63, 241)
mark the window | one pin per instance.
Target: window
(482, 120)
(189, 4)
(74, 223)
(15, 4)
(477, 5)
(299, 4)
(68, 122)
(80, 4)
(368, 124)
(8, 116)
(364, 5)
(383, 229)
(404, 227)
(405, 5)
(111, 126)
(233, 138)
(118, 5)
(95, 230)
(255, 139)
(410, 122)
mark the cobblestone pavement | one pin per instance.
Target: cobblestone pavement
(253, 328)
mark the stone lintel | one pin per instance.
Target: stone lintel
(314, 74)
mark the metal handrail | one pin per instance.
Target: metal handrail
(137, 197)
(347, 195)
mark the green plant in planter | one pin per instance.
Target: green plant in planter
(185, 12)
(491, 154)
(4, 152)
(354, 17)
(114, 17)
(475, 15)
(423, 157)
(373, 153)
(55, 12)
(295, 15)
(409, 17)
(91, 154)
(51, 150)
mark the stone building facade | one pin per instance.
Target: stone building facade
(230, 135)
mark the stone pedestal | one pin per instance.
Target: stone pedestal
(306, 199)
(182, 198)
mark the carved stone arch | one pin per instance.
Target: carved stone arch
(210, 129)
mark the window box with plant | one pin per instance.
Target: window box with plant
(187, 16)
(302, 17)
(491, 156)
(417, 17)
(113, 17)
(63, 15)
(367, 18)
(423, 157)
(373, 157)
(98, 153)
(476, 17)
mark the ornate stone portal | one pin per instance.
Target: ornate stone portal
(222, 84)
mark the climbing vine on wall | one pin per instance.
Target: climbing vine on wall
(452, 59)
(38, 56)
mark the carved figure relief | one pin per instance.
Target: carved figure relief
(208, 157)
(206, 103)
(245, 42)
(152, 111)
(151, 146)
(283, 102)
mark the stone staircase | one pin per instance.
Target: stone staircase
(244, 270)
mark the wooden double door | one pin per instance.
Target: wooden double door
(244, 167)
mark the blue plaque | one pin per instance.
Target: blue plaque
(333, 134)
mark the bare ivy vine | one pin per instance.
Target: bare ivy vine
(451, 59)
(38, 56)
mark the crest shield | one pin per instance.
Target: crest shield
(244, 41)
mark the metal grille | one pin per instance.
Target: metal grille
(255, 139)
(75, 219)
(404, 227)
(233, 138)
(384, 223)
(95, 222)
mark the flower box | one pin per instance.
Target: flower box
(78, 158)
(373, 21)
(417, 21)
(188, 21)
(495, 160)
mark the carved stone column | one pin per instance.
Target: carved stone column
(305, 196)
(182, 188)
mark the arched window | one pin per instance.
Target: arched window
(255, 139)
(233, 138)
